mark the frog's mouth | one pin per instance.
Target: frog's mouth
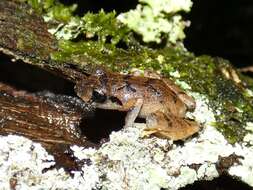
(111, 103)
(98, 97)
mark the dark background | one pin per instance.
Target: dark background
(222, 28)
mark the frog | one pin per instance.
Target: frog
(159, 102)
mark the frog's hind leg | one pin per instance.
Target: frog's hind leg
(169, 127)
(133, 113)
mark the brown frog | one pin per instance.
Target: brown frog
(160, 102)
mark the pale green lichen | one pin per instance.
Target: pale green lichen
(249, 137)
(68, 31)
(248, 93)
(126, 161)
(154, 19)
(208, 170)
(244, 170)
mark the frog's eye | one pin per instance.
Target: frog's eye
(98, 96)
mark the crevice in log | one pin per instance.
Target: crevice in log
(98, 128)
(32, 78)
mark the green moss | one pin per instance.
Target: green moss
(39, 5)
(61, 13)
(104, 25)
(53, 9)
(35, 5)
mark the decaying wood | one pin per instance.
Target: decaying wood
(24, 34)
(39, 117)
(52, 120)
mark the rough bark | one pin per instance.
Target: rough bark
(45, 119)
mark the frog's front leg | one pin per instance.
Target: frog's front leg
(169, 126)
(133, 112)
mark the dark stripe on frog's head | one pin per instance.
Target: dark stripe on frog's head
(129, 87)
(150, 85)
(153, 90)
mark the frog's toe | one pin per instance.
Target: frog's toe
(159, 132)
(148, 132)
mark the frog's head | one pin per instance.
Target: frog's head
(91, 90)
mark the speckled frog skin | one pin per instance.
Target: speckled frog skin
(160, 102)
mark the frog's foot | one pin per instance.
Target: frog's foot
(133, 113)
(170, 127)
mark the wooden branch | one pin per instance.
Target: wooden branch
(24, 34)
(38, 117)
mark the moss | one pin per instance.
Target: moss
(61, 13)
(104, 25)
(39, 5)
(53, 9)
(154, 20)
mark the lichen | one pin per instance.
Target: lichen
(27, 163)
(126, 161)
(157, 19)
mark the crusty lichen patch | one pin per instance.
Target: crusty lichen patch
(127, 161)
(23, 161)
